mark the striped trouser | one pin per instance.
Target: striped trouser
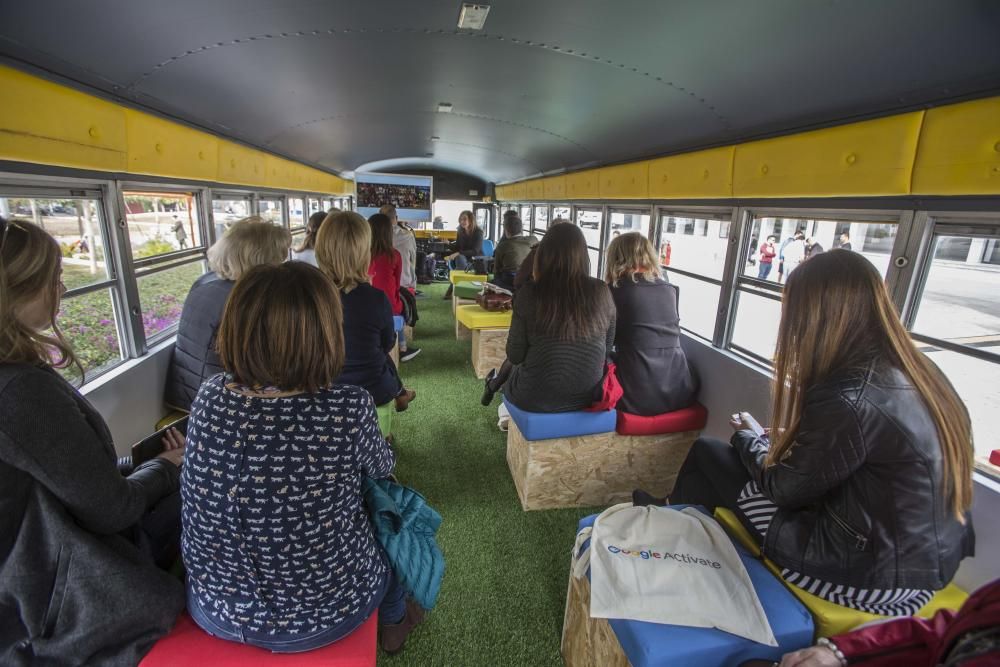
(882, 601)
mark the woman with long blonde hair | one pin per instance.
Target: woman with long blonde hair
(343, 250)
(82, 533)
(861, 488)
(651, 366)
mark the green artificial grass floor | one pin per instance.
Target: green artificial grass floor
(504, 586)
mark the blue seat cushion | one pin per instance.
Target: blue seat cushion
(548, 425)
(398, 322)
(658, 645)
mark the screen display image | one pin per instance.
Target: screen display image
(411, 195)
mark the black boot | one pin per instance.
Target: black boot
(489, 389)
(641, 499)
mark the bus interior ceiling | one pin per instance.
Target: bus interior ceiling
(543, 87)
(546, 88)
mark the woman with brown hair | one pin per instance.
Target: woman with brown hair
(279, 549)
(468, 244)
(343, 249)
(562, 329)
(81, 535)
(651, 365)
(306, 252)
(860, 490)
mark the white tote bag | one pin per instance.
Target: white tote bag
(662, 565)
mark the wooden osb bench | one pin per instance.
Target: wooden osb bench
(488, 332)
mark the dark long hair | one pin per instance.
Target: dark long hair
(381, 235)
(569, 304)
(312, 229)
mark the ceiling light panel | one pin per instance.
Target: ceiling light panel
(472, 16)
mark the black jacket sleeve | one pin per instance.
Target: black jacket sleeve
(46, 433)
(829, 447)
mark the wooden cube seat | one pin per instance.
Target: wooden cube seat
(832, 619)
(600, 642)
(471, 317)
(187, 644)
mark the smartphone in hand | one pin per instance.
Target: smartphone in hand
(752, 423)
(152, 445)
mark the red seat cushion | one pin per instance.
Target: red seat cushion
(686, 419)
(187, 644)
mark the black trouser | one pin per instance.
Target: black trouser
(158, 533)
(712, 475)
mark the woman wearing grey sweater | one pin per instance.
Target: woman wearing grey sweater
(78, 538)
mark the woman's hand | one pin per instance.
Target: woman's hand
(173, 447)
(816, 656)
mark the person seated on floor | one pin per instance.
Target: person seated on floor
(278, 547)
(82, 534)
(860, 491)
(343, 250)
(651, 365)
(468, 244)
(246, 244)
(969, 637)
(306, 252)
(386, 271)
(511, 251)
(561, 331)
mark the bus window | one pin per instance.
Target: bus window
(227, 210)
(161, 295)
(541, 219)
(692, 251)
(162, 222)
(623, 222)
(89, 314)
(874, 240)
(589, 221)
(272, 210)
(956, 321)
(296, 213)
(562, 212)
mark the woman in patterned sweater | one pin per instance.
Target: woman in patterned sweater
(278, 546)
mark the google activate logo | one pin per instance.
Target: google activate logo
(647, 554)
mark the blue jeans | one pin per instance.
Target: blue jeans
(391, 603)
(462, 263)
(764, 270)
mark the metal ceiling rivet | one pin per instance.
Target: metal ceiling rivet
(93, 132)
(159, 148)
(232, 163)
(996, 147)
(705, 174)
(763, 169)
(851, 158)
(201, 155)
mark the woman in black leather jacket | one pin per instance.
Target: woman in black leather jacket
(862, 495)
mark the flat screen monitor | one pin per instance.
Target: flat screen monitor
(411, 195)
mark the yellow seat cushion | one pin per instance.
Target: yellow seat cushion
(170, 419)
(474, 317)
(465, 276)
(829, 618)
(384, 414)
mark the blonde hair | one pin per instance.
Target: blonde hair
(343, 249)
(631, 255)
(248, 243)
(29, 265)
(835, 315)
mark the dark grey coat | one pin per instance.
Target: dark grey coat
(73, 589)
(195, 359)
(652, 368)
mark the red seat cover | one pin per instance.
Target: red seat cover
(187, 644)
(686, 419)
